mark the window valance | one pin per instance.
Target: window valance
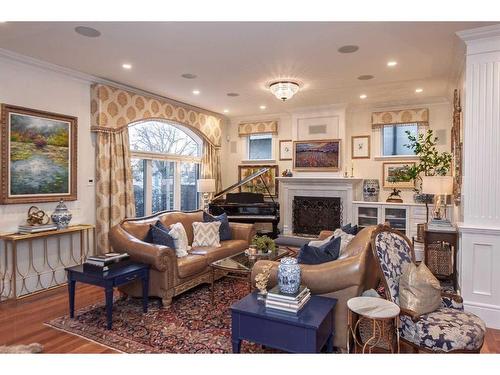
(418, 116)
(113, 108)
(258, 127)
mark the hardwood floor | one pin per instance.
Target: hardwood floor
(21, 322)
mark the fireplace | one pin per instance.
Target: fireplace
(311, 215)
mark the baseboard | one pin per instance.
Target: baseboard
(489, 313)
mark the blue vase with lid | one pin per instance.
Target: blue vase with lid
(61, 216)
(289, 275)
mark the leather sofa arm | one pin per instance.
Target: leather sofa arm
(320, 278)
(159, 257)
(241, 231)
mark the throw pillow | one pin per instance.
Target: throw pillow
(419, 290)
(159, 235)
(225, 229)
(345, 239)
(179, 235)
(316, 255)
(349, 229)
(319, 243)
(206, 234)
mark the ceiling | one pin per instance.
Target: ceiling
(244, 57)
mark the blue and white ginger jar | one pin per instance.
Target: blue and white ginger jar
(61, 216)
(289, 275)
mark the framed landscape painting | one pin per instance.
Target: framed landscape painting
(321, 155)
(256, 185)
(390, 170)
(38, 161)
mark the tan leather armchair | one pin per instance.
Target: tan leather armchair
(354, 272)
(169, 275)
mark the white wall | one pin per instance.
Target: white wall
(34, 87)
(37, 88)
(353, 121)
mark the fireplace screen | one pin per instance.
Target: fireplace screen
(311, 215)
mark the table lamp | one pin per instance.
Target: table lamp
(206, 186)
(441, 187)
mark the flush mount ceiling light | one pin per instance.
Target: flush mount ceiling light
(189, 76)
(233, 94)
(348, 49)
(392, 63)
(284, 90)
(365, 77)
(89, 32)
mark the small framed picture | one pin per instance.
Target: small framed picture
(286, 150)
(390, 170)
(360, 147)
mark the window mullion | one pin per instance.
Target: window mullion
(177, 185)
(148, 191)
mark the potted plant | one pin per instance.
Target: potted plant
(431, 163)
(264, 244)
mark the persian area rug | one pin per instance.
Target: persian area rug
(192, 324)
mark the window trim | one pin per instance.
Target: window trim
(148, 157)
(247, 151)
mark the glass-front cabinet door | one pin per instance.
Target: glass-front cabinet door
(396, 217)
(367, 216)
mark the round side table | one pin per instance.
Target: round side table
(376, 326)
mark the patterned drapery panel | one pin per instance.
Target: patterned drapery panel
(210, 165)
(418, 116)
(258, 127)
(114, 189)
(112, 109)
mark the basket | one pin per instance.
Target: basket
(384, 338)
(440, 259)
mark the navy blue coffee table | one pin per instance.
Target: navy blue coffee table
(108, 280)
(308, 332)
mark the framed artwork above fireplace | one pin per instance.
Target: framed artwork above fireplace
(317, 155)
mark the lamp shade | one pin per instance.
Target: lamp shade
(437, 185)
(206, 185)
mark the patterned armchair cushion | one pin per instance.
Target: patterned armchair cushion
(444, 330)
(393, 254)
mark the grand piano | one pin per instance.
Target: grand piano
(245, 207)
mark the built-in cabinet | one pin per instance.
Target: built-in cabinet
(401, 216)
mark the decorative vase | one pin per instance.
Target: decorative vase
(289, 275)
(61, 216)
(371, 189)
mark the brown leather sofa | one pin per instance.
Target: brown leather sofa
(169, 275)
(354, 272)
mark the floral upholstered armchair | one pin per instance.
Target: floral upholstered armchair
(449, 328)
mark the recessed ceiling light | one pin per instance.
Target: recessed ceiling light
(89, 32)
(127, 66)
(226, 111)
(189, 76)
(348, 49)
(196, 92)
(232, 94)
(363, 96)
(262, 107)
(365, 77)
(419, 90)
(392, 63)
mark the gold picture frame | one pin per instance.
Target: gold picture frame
(256, 185)
(317, 155)
(360, 147)
(286, 148)
(388, 169)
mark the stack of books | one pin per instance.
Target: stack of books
(441, 225)
(25, 229)
(105, 262)
(288, 303)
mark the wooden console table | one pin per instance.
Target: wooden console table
(13, 278)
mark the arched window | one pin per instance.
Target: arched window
(166, 161)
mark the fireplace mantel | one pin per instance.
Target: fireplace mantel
(314, 186)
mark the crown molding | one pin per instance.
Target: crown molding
(492, 31)
(90, 79)
(398, 104)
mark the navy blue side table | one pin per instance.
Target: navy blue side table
(308, 332)
(108, 280)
